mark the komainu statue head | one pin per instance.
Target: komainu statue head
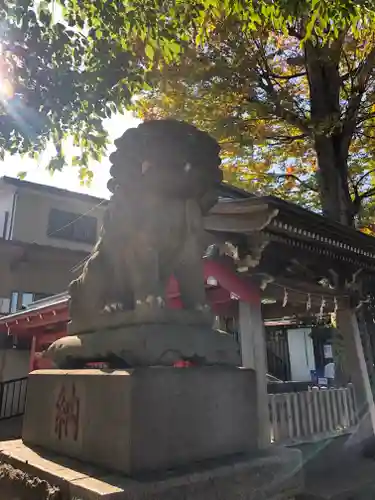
(169, 157)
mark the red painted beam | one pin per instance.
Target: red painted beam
(227, 279)
(32, 321)
(231, 281)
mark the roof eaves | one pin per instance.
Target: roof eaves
(18, 183)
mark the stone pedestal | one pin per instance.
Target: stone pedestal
(143, 419)
(141, 343)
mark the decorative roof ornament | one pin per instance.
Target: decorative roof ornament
(322, 307)
(336, 305)
(285, 299)
(308, 303)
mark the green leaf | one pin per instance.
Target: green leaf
(150, 52)
(174, 47)
(56, 164)
(76, 161)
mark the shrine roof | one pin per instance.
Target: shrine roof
(294, 223)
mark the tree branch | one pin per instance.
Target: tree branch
(367, 194)
(363, 177)
(366, 136)
(287, 77)
(277, 109)
(295, 33)
(359, 87)
(365, 118)
(356, 202)
(286, 139)
(265, 83)
(295, 177)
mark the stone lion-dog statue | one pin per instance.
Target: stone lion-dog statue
(163, 179)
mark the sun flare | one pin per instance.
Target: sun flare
(6, 89)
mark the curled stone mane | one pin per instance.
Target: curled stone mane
(182, 160)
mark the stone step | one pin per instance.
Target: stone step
(33, 474)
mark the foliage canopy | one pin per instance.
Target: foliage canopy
(286, 115)
(67, 65)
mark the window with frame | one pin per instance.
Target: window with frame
(4, 305)
(21, 300)
(72, 226)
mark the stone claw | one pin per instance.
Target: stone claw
(152, 301)
(110, 308)
(205, 308)
(160, 302)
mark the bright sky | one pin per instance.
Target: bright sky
(68, 179)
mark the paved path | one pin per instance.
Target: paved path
(335, 472)
(332, 471)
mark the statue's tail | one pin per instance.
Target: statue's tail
(80, 265)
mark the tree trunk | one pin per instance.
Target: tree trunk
(331, 145)
(333, 181)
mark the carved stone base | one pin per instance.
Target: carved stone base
(144, 419)
(146, 345)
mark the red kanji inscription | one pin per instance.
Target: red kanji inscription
(67, 413)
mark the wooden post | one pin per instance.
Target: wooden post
(356, 366)
(254, 355)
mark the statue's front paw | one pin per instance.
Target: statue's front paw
(111, 308)
(151, 301)
(160, 302)
(204, 308)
